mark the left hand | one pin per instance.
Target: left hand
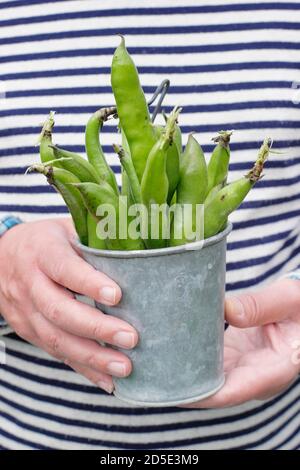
(262, 345)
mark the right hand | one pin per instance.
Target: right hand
(37, 265)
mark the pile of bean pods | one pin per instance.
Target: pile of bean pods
(155, 168)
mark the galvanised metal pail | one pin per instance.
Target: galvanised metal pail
(174, 297)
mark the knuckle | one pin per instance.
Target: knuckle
(85, 282)
(54, 354)
(58, 270)
(52, 311)
(13, 290)
(92, 361)
(35, 288)
(53, 342)
(98, 331)
(252, 308)
(19, 327)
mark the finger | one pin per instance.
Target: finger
(64, 311)
(64, 266)
(23, 329)
(277, 390)
(244, 384)
(75, 349)
(268, 305)
(103, 381)
(18, 318)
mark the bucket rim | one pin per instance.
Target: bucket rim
(171, 250)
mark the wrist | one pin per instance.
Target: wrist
(7, 223)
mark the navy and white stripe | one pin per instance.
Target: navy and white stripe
(232, 65)
(48, 406)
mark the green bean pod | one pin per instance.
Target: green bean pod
(191, 189)
(217, 168)
(45, 140)
(94, 240)
(94, 150)
(173, 162)
(76, 164)
(177, 134)
(96, 195)
(93, 196)
(125, 190)
(212, 193)
(128, 167)
(132, 108)
(62, 180)
(178, 139)
(126, 186)
(155, 182)
(232, 195)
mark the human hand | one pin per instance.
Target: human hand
(262, 345)
(37, 264)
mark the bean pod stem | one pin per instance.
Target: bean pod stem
(217, 169)
(63, 181)
(231, 196)
(45, 140)
(94, 149)
(173, 159)
(128, 167)
(76, 164)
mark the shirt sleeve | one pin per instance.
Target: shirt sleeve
(292, 275)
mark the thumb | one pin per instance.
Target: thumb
(271, 304)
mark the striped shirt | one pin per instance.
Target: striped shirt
(232, 65)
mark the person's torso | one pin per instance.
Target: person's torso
(231, 65)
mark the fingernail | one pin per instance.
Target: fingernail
(124, 339)
(108, 295)
(237, 306)
(117, 368)
(108, 387)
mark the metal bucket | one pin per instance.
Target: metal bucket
(174, 297)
